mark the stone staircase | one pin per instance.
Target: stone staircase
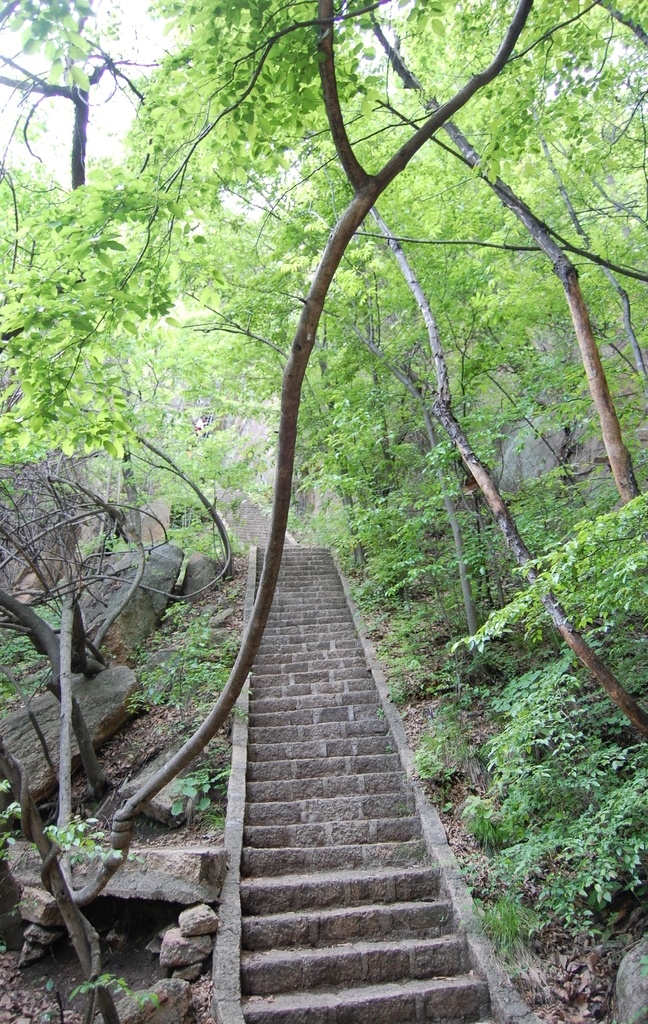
(343, 915)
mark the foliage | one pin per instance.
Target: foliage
(119, 986)
(197, 666)
(568, 805)
(80, 838)
(445, 749)
(201, 786)
(8, 817)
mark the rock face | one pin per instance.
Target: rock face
(632, 986)
(36, 905)
(161, 806)
(104, 702)
(199, 573)
(175, 874)
(145, 609)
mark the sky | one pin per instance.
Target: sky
(136, 37)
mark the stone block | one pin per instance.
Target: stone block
(176, 874)
(179, 950)
(198, 920)
(36, 905)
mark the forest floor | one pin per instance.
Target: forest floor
(194, 644)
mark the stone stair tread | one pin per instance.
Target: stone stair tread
(325, 787)
(332, 833)
(314, 716)
(307, 969)
(463, 998)
(335, 882)
(322, 809)
(308, 927)
(292, 859)
(341, 746)
(266, 771)
(323, 730)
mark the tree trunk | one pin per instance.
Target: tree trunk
(443, 412)
(617, 452)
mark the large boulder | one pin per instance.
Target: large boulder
(145, 609)
(200, 573)
(105, 705)
(156, 520)
(175, 874)
(632, 986)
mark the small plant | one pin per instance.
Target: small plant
(444, 750)
(198, 786)
(119, 986)
(482, 817)
(509, 924)
(80, 839)
(7, 817)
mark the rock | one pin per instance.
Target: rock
(104, 702)
(36, 905)
(156, 520)
(200, 572)
(181, 951)
(11, 926)
(190, 973)
(177, 874)
(31, 953)
(171, 1006)
(43, 936)
(160, 807)
(199, 920)
(144, 611)
(220, 617)
(632, 986)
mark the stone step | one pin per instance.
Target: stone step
(451, 1000)
(346, 680)
(350, 964)
(314, 716)
(314, 668)
(349, 746)
(375, 921)
(323, 730)
(263, 689)
(302, 662)
(341, 808)
(310, 768)
(336, 889)
(291, 860)
(317, 648)
(315, 700)
(325, 787)
(332, 833)
(309, 631)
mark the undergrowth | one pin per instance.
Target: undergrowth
(563, 816)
